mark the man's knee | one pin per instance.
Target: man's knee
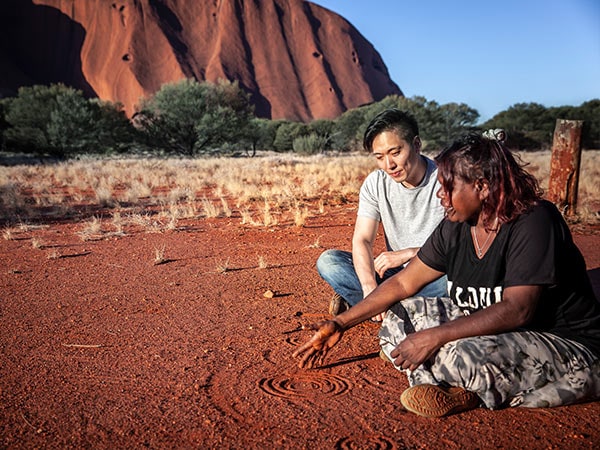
(327, 260)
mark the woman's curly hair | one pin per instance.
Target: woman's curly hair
(473, 157)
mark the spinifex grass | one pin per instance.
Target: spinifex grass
(156, 194)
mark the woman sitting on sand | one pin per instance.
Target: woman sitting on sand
(522, 324)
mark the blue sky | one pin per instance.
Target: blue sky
(489, 55)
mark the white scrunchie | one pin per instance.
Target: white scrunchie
(496, 134)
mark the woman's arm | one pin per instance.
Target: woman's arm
(405, 283)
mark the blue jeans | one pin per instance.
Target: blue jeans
(336, 268)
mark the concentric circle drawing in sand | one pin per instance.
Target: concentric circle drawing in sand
(294, 340)
(305, 384)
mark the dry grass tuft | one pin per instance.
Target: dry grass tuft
(317, 243)
(53, 254)
(210, 210)
(268, 218)
(8, 234)
(262, 263)
(159, 255)
(226, 209)
(300, 215)
(222, 266)
(91, 230)
(37, 243)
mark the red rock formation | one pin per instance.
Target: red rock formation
(298, 60)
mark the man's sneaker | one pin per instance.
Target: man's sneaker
(337, 305)
(429, 400)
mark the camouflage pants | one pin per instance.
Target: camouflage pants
(520, 368)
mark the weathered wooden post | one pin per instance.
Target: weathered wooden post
(564, 165)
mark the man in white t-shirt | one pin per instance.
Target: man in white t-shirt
(401, 195)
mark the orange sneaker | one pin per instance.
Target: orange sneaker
(385, 357)
(429, 400)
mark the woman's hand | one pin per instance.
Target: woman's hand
(313, 352)
(415, 349)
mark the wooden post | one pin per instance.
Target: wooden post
(564, 165)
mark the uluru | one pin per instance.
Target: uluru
(297, 60)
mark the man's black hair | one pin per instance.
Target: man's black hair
(392, 119)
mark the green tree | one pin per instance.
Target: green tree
(321, 127)
(58, 120)
(348, 130)
(190, 117)
(437, 124)
(454, 120)
(3, 124)
(71, 122)
(114, 131)
(265, 131)
(28, 115)
(170, 116)
(589, 112)
(323, 130)
(286, 133)
(529, 125)
(229, 121)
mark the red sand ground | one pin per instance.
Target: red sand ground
(101, 348)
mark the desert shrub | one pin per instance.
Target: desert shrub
(264, 131)
(530, 122)
(28, 116)
(58, 120)
(437, 123)
(3, 124)
(589, 112)
(113, 131)
(348, 130)
(189, 117)
(310, 144)
(530, 126)
(286, 133)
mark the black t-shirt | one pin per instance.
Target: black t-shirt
(536, 249)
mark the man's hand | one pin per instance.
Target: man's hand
(313, 352)
(391, 260)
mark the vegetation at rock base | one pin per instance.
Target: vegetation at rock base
(191, 118)
(57, 120)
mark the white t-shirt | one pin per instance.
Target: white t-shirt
(408, 215)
